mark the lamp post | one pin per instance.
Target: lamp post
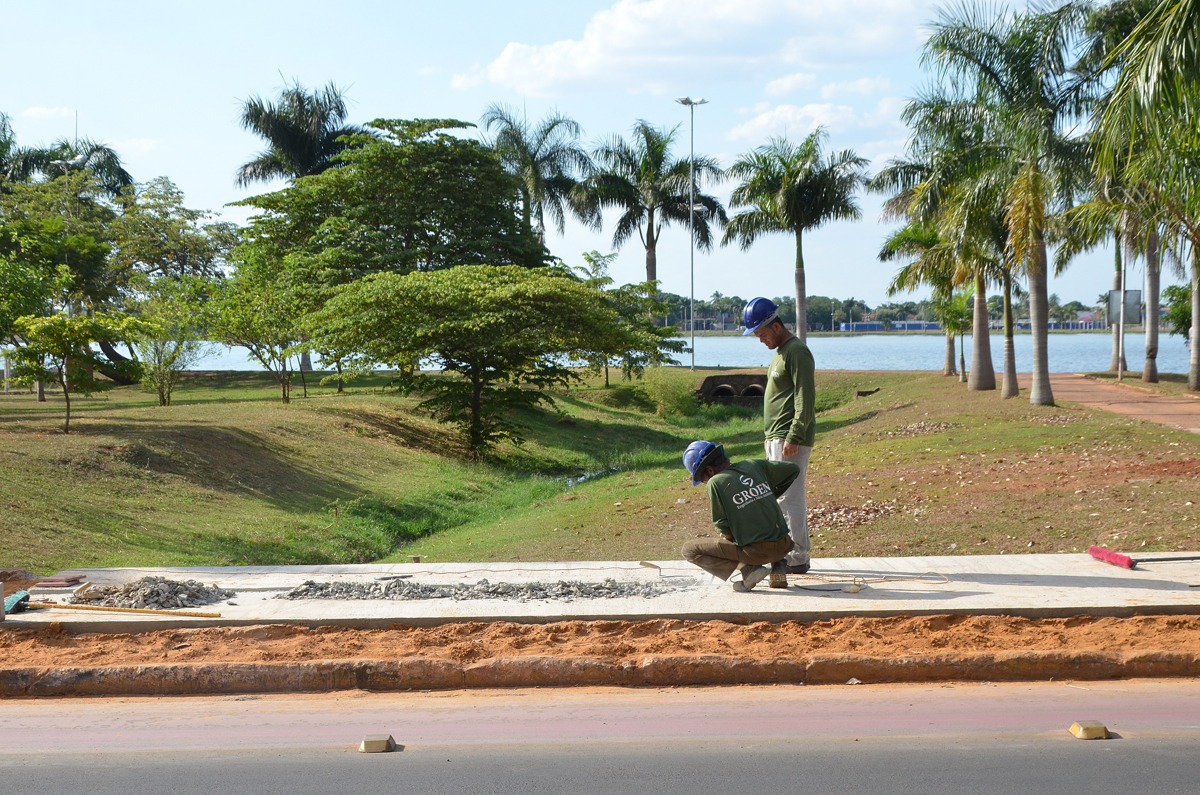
(691, 106)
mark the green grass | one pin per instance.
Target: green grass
(230, 476)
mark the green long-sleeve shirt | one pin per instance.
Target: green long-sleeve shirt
(789, 411)
(743, 499)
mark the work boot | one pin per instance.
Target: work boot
(779, 574)
(745, 578)
(797, 568)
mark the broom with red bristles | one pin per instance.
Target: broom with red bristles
(1126, 562)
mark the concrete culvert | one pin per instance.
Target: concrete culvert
(753, 390)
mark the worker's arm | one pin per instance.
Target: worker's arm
(801, 368)
(719, 517)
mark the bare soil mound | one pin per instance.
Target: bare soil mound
(930, 648)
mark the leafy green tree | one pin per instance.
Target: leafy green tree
(548, 162)
(156, 234)
(175, 311)
(255, 309)
(57, 347)
(500, 334)
(793, 189)
(642, 180)
(1178, 301)
(305, 132)
(414, 197)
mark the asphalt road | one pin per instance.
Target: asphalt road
(853, 739)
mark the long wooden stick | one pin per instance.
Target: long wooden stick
(189, 613)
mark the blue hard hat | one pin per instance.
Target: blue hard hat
(758, 312)
(695, 456)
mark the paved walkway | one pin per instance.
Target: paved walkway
(1128, 398)
(1023, 585)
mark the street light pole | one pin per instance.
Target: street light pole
(691, 106)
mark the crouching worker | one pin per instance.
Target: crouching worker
(754, 535)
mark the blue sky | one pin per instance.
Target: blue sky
(163, 83)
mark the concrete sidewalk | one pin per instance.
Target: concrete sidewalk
(1034, 586)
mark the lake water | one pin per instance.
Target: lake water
(1069, 353)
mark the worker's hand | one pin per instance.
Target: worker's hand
(790, 449)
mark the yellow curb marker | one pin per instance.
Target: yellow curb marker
(1089, 730)
(377, 744)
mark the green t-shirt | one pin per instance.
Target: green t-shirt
(743, 499)
(788, 405)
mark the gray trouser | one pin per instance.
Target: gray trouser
(793, 502)
(721, 558)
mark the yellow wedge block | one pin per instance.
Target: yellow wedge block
(1089, 730)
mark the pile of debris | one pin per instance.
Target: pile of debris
(403, 588)
(154, 593)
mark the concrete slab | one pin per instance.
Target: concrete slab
(1022, 585)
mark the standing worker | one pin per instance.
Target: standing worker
(745, 510)
(789, 416)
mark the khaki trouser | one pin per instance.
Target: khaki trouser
(793, 503)
(721, 558)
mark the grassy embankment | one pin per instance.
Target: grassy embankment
(229, 476)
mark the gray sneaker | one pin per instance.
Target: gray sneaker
(745, 578)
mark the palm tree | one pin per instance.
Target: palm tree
(1015, 67)
(84, 155)
(794, 189)
(939, 185)
(929, 264)
(1147, 132)
(304, 133)
(650, 187)
(548, 160)
(21, 164)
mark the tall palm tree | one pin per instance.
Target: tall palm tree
(303, 132)
(1015, 67)
(794, 188)
(943, 184)
(547, 159)
(641, 178)
(1147, 132)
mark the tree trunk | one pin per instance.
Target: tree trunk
(1194, 345)
(983, 373)
(66, 398)
(651, 252)
(1153, 272)
(1039, 392)
(1010, 388)
(962, 360)
(801, 292)
(1116, 364)
(948, 364)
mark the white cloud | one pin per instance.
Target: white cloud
(42, 113)
(669, 40)
(796, 121)
(865, 86)
(781, 86)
